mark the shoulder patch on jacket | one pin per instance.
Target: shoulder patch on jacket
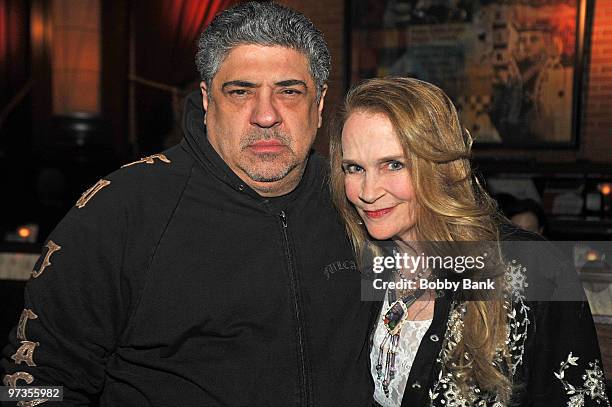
(87, 195)
(52, 247)
(149, 160)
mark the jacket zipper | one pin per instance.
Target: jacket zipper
(298, 315)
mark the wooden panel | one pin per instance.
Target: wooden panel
(604, 335)
(75, 56)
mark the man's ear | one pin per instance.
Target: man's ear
(204, 91)
(321, 103)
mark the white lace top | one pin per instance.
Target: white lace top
(409, 341)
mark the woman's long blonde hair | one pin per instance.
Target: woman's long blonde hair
(451, 206)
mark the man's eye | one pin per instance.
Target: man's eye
(238, 92)
(291, 92)
(352, 168)
(395, 166)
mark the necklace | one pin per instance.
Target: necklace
(393, 320)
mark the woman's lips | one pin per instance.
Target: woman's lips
(379, 213)
(267, 146)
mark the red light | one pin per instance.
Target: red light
(605, 189)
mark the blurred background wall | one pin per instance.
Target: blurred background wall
(88, 85)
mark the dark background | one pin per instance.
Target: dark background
(146, 67)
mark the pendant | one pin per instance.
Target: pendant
(390, 368)
(395, 317)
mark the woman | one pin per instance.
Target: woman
(401, 172)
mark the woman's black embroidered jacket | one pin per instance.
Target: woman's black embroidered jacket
(554, 348)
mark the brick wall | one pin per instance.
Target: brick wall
(596, 125)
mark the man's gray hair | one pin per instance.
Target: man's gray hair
(265, 23)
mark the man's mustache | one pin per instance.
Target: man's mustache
(255, 136)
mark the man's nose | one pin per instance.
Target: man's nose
(265, 114)
(371, 190)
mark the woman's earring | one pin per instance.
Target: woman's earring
(359, 222)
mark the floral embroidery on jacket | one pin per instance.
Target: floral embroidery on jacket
(518, 319)
(592, 387)
(445, 390)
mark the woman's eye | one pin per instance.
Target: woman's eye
(395, 165)
(351, 168)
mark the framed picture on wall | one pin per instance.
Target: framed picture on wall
(512, 68)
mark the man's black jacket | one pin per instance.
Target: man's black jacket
(175, 284)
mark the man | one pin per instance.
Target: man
(216, 273)
(527, 214)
